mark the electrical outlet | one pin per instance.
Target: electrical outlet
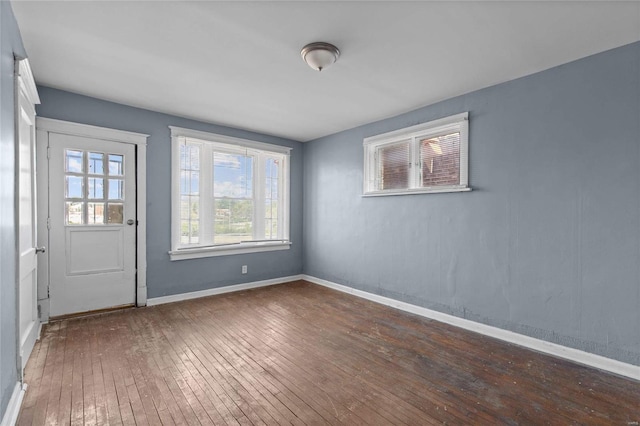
(244, 269)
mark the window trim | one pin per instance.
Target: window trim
(458, 122)
(179, 252)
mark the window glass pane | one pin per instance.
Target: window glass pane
(233, 197)
(189, 217)
(440, 158)
(272, 171)
(194, 209)
(73, 161)
(95, 213)
(185, 232)
(73, 213)
(233, 220)
(393, 166)
(184, 208)
(232, 175)
(74, 187)
(116, 165)
(189, 182)
(189, 157)
(96, 188)
(189, 232)
(274, 229)
(115, 213)
(271, 220)
(96, 160)
(116, 189)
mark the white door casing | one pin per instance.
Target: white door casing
(92, 266)
(26, 234)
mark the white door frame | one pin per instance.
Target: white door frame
(46, 126)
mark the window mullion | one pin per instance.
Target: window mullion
(283, 212)
(414, 172)
(206, 214)
(259, 180)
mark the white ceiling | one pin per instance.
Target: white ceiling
(238, 63)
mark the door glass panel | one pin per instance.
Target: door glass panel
(73, 161)
(115, 213)
(73, 213)
(116, 165)
(95, 213)
(74, 187)
(96, 189)
(96, 166)
(116, 189)
(88, 201)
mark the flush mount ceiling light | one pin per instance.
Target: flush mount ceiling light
(319, 55)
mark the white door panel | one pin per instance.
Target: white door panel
(105, 254)
(26, 213)
(92, 201)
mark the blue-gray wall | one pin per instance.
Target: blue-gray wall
(548, 242)
(10, 44)
(165, 277)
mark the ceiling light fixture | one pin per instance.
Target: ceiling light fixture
(319, 55)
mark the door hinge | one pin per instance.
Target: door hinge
(48, 223)
(39, 311)
(48, 152)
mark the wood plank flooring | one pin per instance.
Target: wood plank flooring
(301, 354)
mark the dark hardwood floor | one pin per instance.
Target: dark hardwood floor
(298, 354)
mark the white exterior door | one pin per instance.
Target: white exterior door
(92, 234)
(26, 214)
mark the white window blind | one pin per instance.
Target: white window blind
(430, 157)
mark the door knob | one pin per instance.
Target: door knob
(130, 222)
(41, 249)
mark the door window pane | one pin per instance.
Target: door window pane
(115, 213)
(74, 187)
(73, 161)
(73, 213)
(116, 165)
(96, 166)
(116, 189)
(95, 213)
(96, 189)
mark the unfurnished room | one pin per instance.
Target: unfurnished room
(319, 212)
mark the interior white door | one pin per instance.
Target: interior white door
(92, 236)
(26, 213)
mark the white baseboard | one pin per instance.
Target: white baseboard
(220, 290)
(13, 409)
(571, 354)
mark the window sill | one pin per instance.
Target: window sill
(415, 191)
(200, 252)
